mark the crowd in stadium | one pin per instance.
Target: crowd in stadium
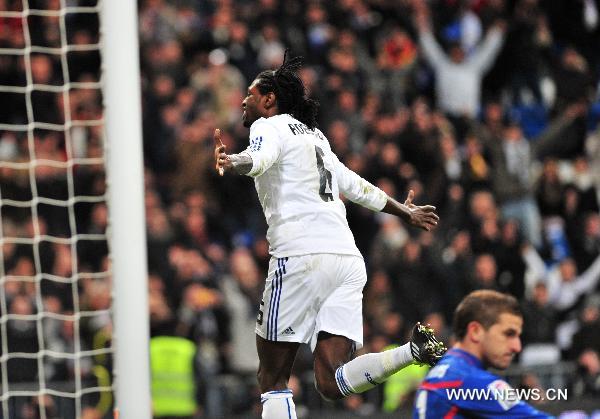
(507, 149)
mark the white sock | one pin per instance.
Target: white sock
(367, 371)
(278, 404)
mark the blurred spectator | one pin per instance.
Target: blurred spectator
(485, 271)
(172, 364)
(492, 122)
(420, 144)
(396, 61)
(540, 318)
(512, 181)
(346, 110)
(587, 336)
(453, 264)
(22, 337)
(269, 47)
(45, 104)
(240, 51)
(389, 166)
(577, 24)
(476, 169)
(527, 37)
(242, 290)
(160, 235)
(157, 21)
(319, 33)
(222, 85)
(582, 180)
(410, 268)
(511, 266)
(482, 207)
(566, 286)
(586, 244)
(392, 236)
(161, 315)
(550, 190)
(458, 77)
(452, 159)
(587, 381)
(192, 159)
(574, 84)
(379, 299)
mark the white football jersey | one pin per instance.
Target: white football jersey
(299, 181)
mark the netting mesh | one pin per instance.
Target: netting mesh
(55, 294)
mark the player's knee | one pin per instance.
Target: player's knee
(327, 387)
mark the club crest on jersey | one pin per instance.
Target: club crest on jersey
(504, 394)
(256, 143)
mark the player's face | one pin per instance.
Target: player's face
(252, 105)
(502, 341)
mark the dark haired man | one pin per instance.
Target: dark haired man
(487, 325)
(313, 292)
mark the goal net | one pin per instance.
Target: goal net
(56, 350)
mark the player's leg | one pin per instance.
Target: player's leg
(331, 352)
(339, 328)
(276, 362)
(369, 370)
(279, 332)
(337, 375)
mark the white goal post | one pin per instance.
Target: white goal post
(121, 74)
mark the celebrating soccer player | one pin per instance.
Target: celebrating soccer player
(313, 292)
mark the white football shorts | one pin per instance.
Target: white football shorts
(307, 294)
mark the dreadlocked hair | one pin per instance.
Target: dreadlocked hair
(289, 91)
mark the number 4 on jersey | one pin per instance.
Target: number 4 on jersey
(325, 191)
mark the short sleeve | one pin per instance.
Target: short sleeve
(264, 148)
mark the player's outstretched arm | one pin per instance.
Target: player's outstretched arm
(360, 191)
(240, 163)
(422, 216)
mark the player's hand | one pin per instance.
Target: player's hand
(220, 156)
(422, 216)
